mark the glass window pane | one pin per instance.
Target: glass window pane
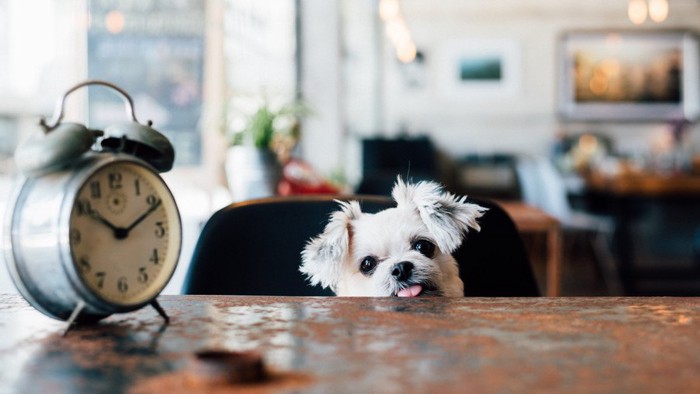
(155, 51)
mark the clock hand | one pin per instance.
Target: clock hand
(97, 216)
(119, 232)
(142, 217)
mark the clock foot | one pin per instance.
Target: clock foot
(161, 311)
(74, 316)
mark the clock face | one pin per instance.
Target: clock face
(125, 233)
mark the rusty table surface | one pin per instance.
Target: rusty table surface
(359, 345)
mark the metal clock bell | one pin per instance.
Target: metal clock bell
(92, 229)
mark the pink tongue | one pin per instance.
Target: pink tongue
(410, 291)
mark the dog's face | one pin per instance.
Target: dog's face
(403, 251)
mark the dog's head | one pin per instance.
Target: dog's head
(401, 251)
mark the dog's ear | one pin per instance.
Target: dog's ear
(447, 216)
(323, 255)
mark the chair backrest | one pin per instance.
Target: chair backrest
(254, 248)
(383, 158)
(543, 186)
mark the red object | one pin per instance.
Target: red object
(298, 177)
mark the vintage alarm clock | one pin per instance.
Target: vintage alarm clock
(92, 229)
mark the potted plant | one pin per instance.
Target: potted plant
(259, 143)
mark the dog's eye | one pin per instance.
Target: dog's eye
(367, 265)
(424, 247)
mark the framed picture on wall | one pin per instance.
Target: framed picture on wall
(629, 76)
(478, 68)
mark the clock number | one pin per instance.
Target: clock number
(155, 259)
(137, 187)
(151, 200)
(160, 230)
(115, 180)
(84, 207)
(85, 265)
(95, 190)
(100, 279)
(75, 237)
(122, 285)
(143, 275)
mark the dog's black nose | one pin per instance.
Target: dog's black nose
(402, 270)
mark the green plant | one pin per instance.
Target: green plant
(267, 126)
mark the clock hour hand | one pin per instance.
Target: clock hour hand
(143, 216)
(98, 217)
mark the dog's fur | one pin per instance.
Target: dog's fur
(403, 251)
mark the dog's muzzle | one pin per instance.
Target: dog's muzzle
(402, 273)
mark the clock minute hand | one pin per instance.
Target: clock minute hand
(144, 216)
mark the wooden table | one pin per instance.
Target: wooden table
(361, 345)
(657, 228)
(530, 219)
(646, 184)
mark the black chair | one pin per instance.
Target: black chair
(384, 158)
(254, 248)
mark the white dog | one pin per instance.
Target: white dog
(403, 251)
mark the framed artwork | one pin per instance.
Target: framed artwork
(479, 68)
(629, 76)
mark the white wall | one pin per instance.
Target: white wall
(521, 121)
(321, 142)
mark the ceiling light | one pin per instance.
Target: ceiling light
(637, 11)
(658, 10)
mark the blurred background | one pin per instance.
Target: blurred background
(585, 109)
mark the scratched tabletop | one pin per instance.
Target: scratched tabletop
(361, 345)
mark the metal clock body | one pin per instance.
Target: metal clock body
(105, 231)
(92, 229)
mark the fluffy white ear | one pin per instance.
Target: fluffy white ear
(447, 216)
(323, 255)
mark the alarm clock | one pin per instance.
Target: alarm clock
(92, 229)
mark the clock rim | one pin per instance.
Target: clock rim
(73, 186)
(12, 258)
(58, 297)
